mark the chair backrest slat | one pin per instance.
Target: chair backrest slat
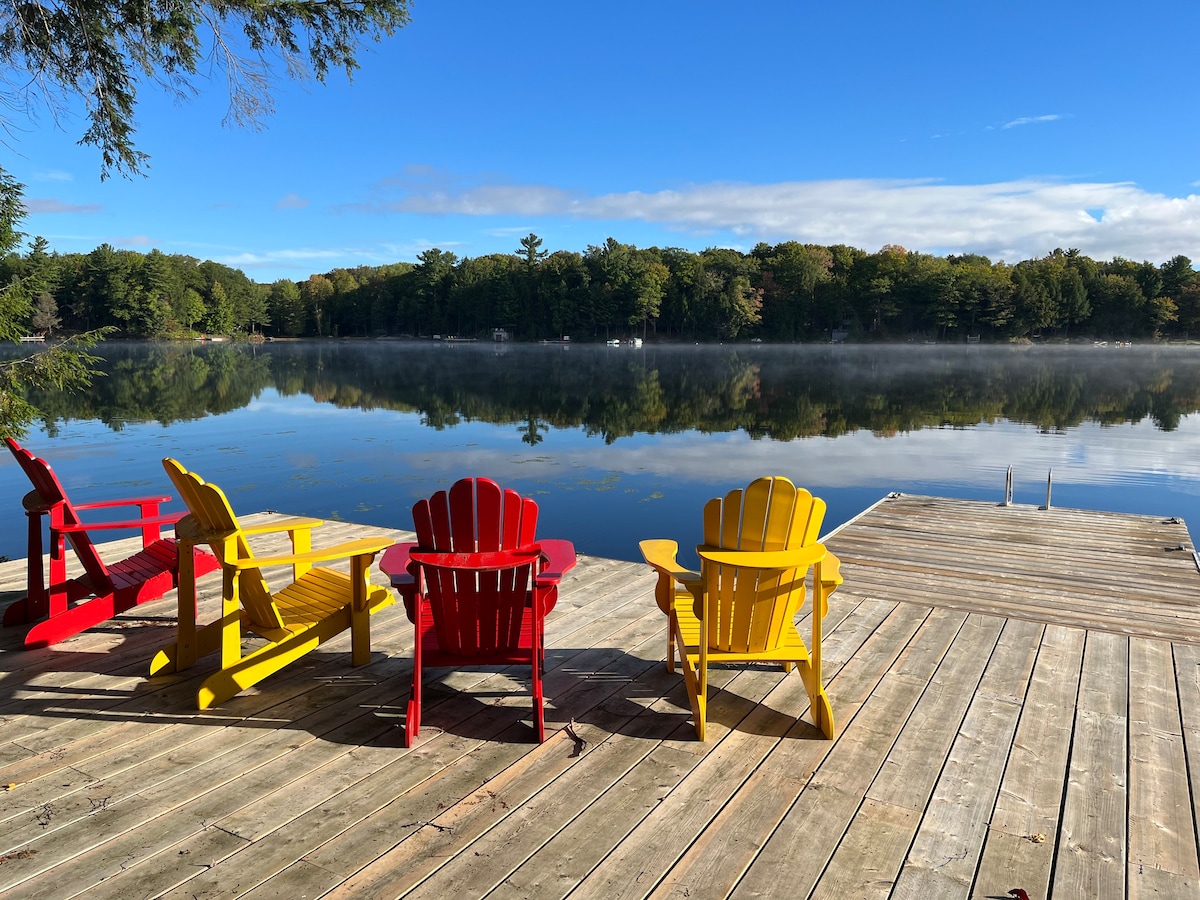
(486, 520)
(462, 517)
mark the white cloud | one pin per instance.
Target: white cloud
(54, 175)
(511, 231)
(286, 258)
(291, 201)
(52, 205)
(1031, 120)
(136, 240)
(1005, 220)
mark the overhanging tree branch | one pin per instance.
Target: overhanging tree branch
(56, 52)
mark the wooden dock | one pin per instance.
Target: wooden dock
(1017, 694)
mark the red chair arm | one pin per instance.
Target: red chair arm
(560, 559)
(396, 562)
(405, 574)
(168, 519)
(134, 501)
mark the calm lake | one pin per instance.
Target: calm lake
(620, 443)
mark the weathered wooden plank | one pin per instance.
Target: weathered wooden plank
(413, 861)
(1152, 883)
(446, 831)
(1091, 852)
(1020, 842)
(1187, 682)
(1162, 830)
(1124, 617)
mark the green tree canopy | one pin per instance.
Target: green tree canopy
(54, 53)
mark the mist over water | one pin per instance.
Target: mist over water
(619, 443)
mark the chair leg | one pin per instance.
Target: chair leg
(818, 700)
(360, 611)
(412, 722)
(696, 681)
(71, 621)
(539, 705)
(184, 652)
(823, 715)
(33, 605)
(671, 625)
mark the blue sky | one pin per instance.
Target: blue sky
(947, 127)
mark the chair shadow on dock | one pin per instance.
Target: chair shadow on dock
(604, 686)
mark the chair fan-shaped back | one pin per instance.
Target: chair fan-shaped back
(209, 508)
(50, 492)
(480, 612)
(750, 608)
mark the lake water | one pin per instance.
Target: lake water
(620, 443)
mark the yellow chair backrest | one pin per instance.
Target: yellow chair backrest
(209, 509)
(749, 607)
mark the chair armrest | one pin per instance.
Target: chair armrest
(396, 561)
(361, 547)
(292, 523)
(799, 558)
(661, 555)
(831, 570)
(168, 519)
(133, 501)
(560, 559)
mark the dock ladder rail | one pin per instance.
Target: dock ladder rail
(1008, 487)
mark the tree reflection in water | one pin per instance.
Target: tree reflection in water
(358, 429)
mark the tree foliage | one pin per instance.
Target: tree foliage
(787, 292)
(55, 53)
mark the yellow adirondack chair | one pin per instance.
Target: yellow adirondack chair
(758, 547)
(318, 605)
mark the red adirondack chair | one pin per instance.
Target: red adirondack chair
(104, 589)
(477, 586)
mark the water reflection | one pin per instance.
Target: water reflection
(775, 392)
(623, 443)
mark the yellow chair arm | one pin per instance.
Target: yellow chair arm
(661, 556)
(799, 558)
(361, 547)
(292, 523)
(831, 570)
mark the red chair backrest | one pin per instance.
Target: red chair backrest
(477, 612)
(61, 512)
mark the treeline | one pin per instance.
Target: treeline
(783, 292)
